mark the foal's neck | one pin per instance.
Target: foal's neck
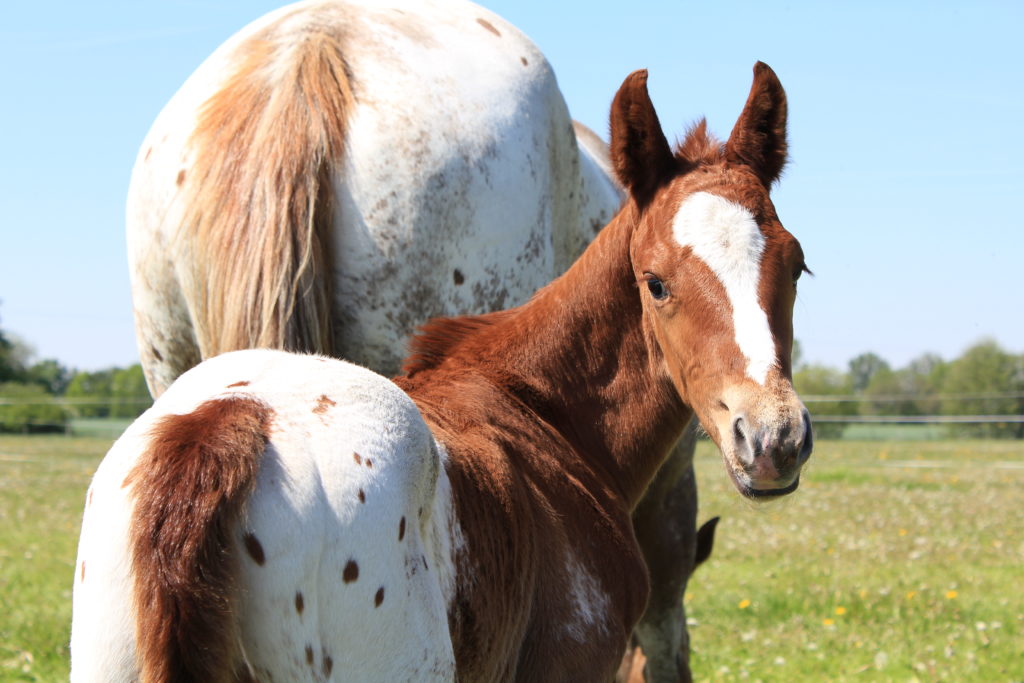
(577, 355)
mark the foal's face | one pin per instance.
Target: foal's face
(717, 274)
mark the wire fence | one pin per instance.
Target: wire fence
(74, 420)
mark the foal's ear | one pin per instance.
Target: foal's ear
(759, 137)
(640, 153)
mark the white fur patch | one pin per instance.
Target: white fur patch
(727, 238)
(589, 602)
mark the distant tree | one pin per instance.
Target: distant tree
(884, 386)
(924, 377)
(11, 367)
(985, 368)
(863, 368)
(28, 408)
(91, 393)
(50, 375)
(817, 384)
(129, 393)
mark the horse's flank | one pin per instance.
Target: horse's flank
(258, 194)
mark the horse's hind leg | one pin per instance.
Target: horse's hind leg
(665, 523)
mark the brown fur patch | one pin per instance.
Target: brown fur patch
(362, 496)
(258, 194)
(358, 458)
(401, 529)
(379, 597)
(180, 180)
(300, 603)
(327, 666)
(523, 60)
(489, 26)
(322, 404)
(351, 572)
(189, 486)
(309, 655)
(255, 549)
(243, 383)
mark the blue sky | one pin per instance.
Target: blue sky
(906, 129)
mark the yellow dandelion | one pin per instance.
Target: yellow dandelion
(828, 622)
(831, 551)
(840, 611)
(744, 603)
(884, 455)
(903, 532)
(863, 593)
(688, 597)
(911, 594)
(951, 595)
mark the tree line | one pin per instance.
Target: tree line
(985, 381)
(45, 395)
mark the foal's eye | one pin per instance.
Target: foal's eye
(656, 287)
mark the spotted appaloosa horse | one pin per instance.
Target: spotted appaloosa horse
(339, 172)
(290, 517)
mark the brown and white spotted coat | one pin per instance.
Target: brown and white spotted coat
(339, 172)
(279, 516)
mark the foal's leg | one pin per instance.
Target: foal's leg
(665, 523)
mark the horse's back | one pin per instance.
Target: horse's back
(330, 556)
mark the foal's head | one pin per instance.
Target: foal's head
(718, 275)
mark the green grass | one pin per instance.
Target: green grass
(893, 562)
(42, 490)
(103, 427)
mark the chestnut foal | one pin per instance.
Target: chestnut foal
(290, 517)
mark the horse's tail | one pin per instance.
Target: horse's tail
(189, 487)
(705, 541)
(258, 196)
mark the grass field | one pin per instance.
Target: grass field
(895, 561)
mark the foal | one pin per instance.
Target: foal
(288, 517)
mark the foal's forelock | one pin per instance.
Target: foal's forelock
(726, 237)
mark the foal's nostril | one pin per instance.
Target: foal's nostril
(808, 444)
(746, 446)
(737, 429)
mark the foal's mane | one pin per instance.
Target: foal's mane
(699, 146)
(437, 339)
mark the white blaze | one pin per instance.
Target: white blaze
(725, 236)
